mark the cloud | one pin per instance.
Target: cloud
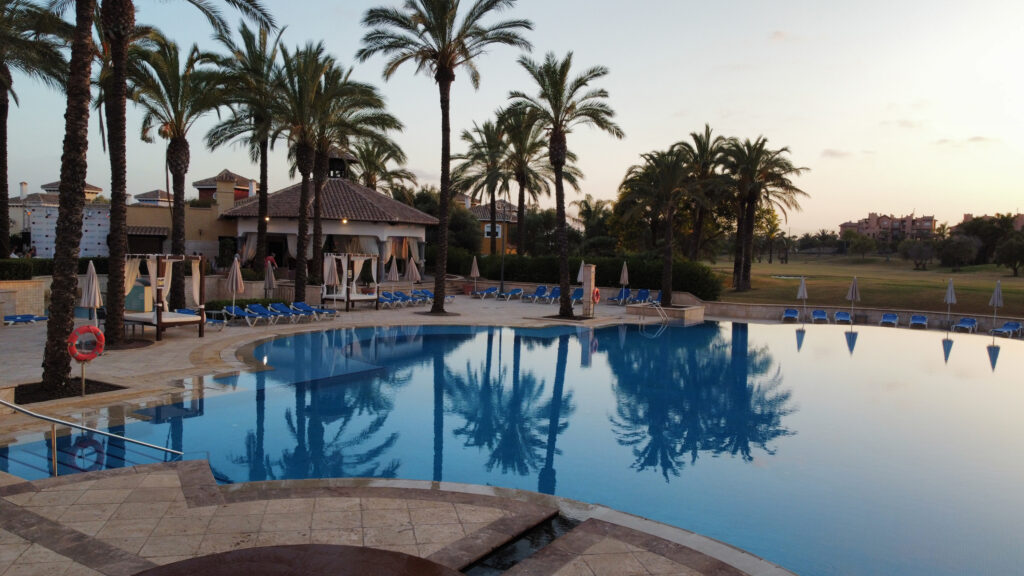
(981, 140)
(778, 36)
(905, 123)
(833, 153)
(972, 140)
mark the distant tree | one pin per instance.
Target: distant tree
(989, 231)
(920, 252)
(807, 242)
(959, 250)
(1010, 252)
(861, 244)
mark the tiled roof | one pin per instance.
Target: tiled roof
(153, 195)
(225, 176)
(55, 186)
(341, 198)
(506, 212)
(39, 199)
(148, 230)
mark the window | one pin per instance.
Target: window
(487, 231)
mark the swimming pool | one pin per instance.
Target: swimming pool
(863, 454)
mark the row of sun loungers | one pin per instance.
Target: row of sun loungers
(544, 295)
(970, 325)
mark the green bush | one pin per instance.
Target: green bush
(44, 267)
(15, 269)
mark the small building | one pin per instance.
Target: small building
(153, 198)
(36, 215)
(241, 186)
(889, 228)
(506, 225)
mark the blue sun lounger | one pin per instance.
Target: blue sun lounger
(23, 319)
(295, 314)
(554, 295)
(641, 297)
(842, 317)
(1008, 329)
(211, 321)
(622, 297)
(411, 299)
(251, 319)
(966, 325)
(819, 316)
(889, 319)
(539, 293)
(272, 316)
(448, 298)
(483, 294)
(790, 315)
(918, 321)
(513, 293)
(577, 296)
(317, 313)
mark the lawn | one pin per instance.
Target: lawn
(883, 284)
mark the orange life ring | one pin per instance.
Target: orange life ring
(597, 295)
(80, 355)
(81, 449)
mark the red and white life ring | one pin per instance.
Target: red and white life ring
(597, 295)
(81, 355)
(86, 449)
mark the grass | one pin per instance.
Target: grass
(883, 284)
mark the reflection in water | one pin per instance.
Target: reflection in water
(710, 396)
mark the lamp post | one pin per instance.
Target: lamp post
(503, 233)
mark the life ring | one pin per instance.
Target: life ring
(80, 355)
(593, 345)
(82, 448)
(597, 295)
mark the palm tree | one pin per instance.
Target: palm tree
(526, 159)
(373, 166)
(707, 185)
(431, 34)
(250, 70)
(663, 180)
(73, 166)
(173, 96)
(295, 112)
(28, 44)
(562, 104)
(593, 213)
(759, 174)
(482, 168)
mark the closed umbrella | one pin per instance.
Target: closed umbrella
(624, 275)
(800, 334)
(851, 340)
(331, 271)
(949, 299)
(853, 295)
(412, 272)
(993, 355)
(947, 347)
(996, 302)
(801, 294)
(474, 273)
(579, 275)
(269, 282)
(91, 292)
(393, 270)
(235, 283)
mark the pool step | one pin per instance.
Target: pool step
(515, 551)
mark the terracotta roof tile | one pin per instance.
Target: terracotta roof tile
(341, 199)
(225, 176)
(148, 231)
(153, 195)
(55, 186)
(506, 212)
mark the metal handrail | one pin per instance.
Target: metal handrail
(53, 420)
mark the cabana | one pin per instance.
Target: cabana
(349, 267)
(160, 274)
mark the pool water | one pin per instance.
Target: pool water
(824, 450)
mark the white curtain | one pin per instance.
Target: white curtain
(131, 274)
(389, 246)
(373, 270)
(249, 247)
(414, 250)
(195, 283)
(357, 268)
(343, 260)
(309, 247)
(368, 245)
(293, 244)
(151, 266)
(168, 273)
(404, 250)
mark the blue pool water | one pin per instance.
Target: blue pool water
(884, 460)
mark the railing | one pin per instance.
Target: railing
(53, 432)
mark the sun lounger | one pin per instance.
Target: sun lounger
(539, 293)
(819, 316)
(918, 321)
(577, 296)
(656, 300)
(622, 297)
(790, 315)
(251, 319)
(483, 294)
(411, 299)
(966, 325)
(641, 297)
(211, 321)
(23, 319)
(554, 295)
(427, 297)
(513, 293)
(390, 300)
(448, 298)
(889, 319)
(842, 317)
(1008, 329)
(290, 312)
(317, 313)
(261, 311)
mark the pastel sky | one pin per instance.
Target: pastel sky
(896, 107)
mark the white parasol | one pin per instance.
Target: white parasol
(235, 284)
(91, 292)
(853, 295)
(474, 273)
(949, 299)
(801, 294)
(412, 272)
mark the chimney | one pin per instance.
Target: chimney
(24, 191)
(252, 189)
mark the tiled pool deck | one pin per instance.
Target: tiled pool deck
(120, 522)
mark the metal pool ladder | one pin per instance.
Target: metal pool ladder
(53, 432)
(662, 324)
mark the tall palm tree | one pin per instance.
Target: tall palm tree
(379, 165)
(562, 104)
(433, 35)
(481, 171)
(250, 70)
(592, 212)
(173, 96)
(295, 113)
(73, 166)
(663, 181)
(760, 175)
(707, 185)
(29, 44)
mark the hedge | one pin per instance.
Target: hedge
(15, 269)
(26, 268)
(241, 302)
(687, 276)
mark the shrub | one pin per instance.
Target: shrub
(15, 269)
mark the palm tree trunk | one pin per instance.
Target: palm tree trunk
(547, 477)
(666, 256)
(118, 21)
(304, 160)
(444, 84)
(494, 224)
(439, 384)
(737, 264)
(73, 167)
(521, 215)
(178, 157)
(749, 218)
(320, 164)
(557, 152)
(698, 232)
(261, 221)
(5, 106)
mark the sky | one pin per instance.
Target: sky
(894, 107)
